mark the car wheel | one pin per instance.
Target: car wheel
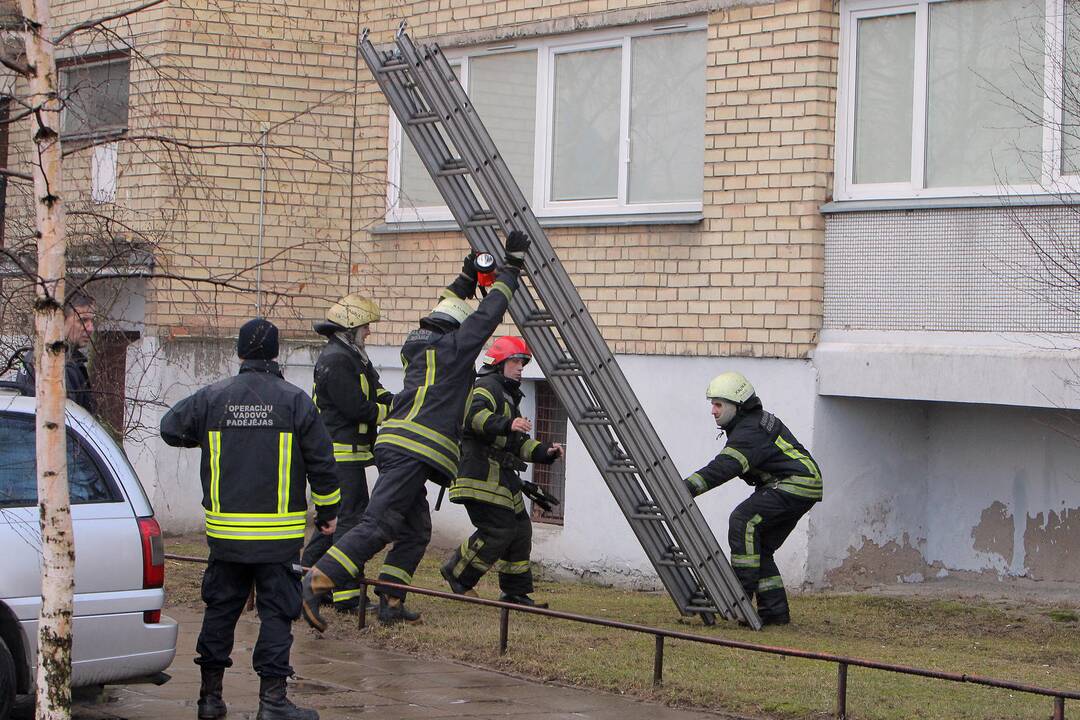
(7, 681)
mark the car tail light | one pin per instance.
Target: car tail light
(153, 554)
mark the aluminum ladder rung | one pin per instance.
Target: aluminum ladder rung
(482, 219)
(453, 166)
(539, 320)
(422, 119)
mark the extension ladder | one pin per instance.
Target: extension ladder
(436, 115)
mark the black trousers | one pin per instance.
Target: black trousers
(354, 500)
(225, 589)
(759, 525)
(503, 540)
(397, 513)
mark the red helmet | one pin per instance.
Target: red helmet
(505, 348)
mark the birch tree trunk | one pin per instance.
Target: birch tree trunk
(57, 541)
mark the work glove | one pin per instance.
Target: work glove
(696, 484)
(517, 244)
(468, 266)
(468, 269)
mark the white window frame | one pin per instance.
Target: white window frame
(1052, 181)
(547, 50)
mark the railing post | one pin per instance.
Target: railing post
(361, 621)
(504, 628)
(1059, 708)
(658, 662)
(841, 691)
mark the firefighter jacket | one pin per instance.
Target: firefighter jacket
(76, 379)
(262, 441)
(426, 418)
(762, 451)
(491, 454)
(351, 400)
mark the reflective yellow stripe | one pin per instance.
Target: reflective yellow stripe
(448, 464)
(429, 380)
(480, 418)
(284, 470)
(344, 561)
(770, 583)
(737, 456)
(504, 289)
(794, 454)
(396, 572)
(483, 392)
(747, 561)
(469, 556)
(527, 448)
(342, 595)
(214, 441)
(334, 497)
(365, 388)
(748, 536)
(518, 567)
(242, 535)
(384, 410)
(345, 452)
(433, 435)
(698, 483)
(253, 519)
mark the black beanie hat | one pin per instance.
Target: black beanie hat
(258, 340)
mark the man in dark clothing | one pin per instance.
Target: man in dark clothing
(262, 442)
(419, 441)
(494, 449)
(786, 483)
(79, 309)
(353, 403)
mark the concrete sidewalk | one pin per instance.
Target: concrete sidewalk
(348, 680)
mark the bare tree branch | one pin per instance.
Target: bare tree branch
(93, 24)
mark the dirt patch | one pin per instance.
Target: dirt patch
(1052, 546)
(995, 532)
(874, 564)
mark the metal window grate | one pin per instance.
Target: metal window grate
(1004, 269)
(550, 427)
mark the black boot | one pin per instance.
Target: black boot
(455, 587)
(393, 611)
(522, 600)
(211, 706)
(274, 705)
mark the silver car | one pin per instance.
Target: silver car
(119, 633)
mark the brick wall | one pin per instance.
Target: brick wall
(746, 281)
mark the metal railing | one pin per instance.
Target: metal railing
(843, 662)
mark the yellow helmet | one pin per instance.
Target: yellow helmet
(730, 386)
(453, 309)
(353, 311)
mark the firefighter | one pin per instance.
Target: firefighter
(494, 450)
(786, 482)
(353, 403)
(79, 310)
(262, 442)
(420, 439)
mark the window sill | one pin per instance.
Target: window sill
(672, 218)
(85, 140)
(978, 201)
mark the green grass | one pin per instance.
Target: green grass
(995, 639)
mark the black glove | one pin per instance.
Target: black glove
(517, 244)
(468, 266)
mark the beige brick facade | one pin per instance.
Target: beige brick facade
(746, 281)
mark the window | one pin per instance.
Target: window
(942, 98)
(551, 428)
(95, 95)
(18, 480)
(604, 123)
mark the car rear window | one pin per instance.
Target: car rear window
(18, 481)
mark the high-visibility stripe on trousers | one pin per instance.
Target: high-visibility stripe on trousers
(503, 541)
(757, 528)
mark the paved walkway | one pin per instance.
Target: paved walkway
(346, 680)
